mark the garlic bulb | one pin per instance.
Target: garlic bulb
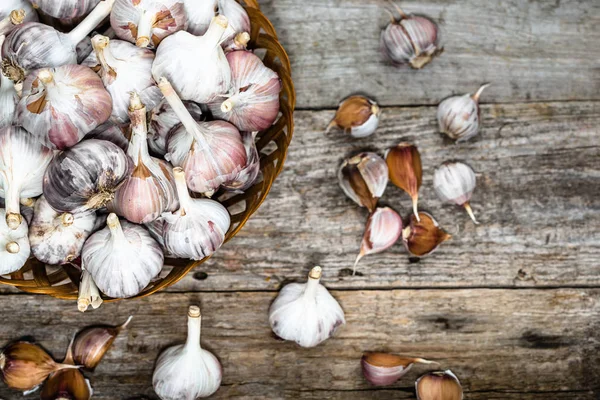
(61, 105)
(239, 21)
(122, 258)
(439, 385)
(458, 116)
(383, 369)
(14, 246)
(111, 132)
(356, 115)
(423, 236)
(195, 65)
(211, 153)
(384, 228)
(86, 176)
(162, 120)
(8, 23)
(22, 164)
(67, 384)
(254, 103)
(8, 6)
(363, 178)
(412, 39)
(65, 9)
(9, 98)
(454, 182)
(249, 174)
(57, 238)
(91, 344)
(187, 371)
(124, 68)
(305, 312)
(199, 14)
(147, 22)
(149, 191)
(198, 228)
(406, 171)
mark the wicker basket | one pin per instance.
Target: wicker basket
(63, 281)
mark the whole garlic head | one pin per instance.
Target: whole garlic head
(459, 116)
(14, 246)
(306, 313)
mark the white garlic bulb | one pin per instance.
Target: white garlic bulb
(14, 245)
(65, 9)
(239, 21)
(199, 14)
(122, 258)
(162, 120)
(187, 371)
(459, 116)
(454, 182)
(306, 313)
(195, 65)
(9, 98)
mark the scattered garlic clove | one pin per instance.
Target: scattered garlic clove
(454, 182)
(404, 164)
(62, 9)
(439, 385)
(459, 116)
(306, 313)
(383, 369)
(66, 384)
(162, 120)
(187, 371)
(199, 15)
(91, 344)
(247, 176)
(384, 228)
(89, 295)
(363, 178)
(422, 237)
(14, 246)
(9, 98)
(358, 116)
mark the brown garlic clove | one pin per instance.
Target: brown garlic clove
(364, 178)
(356, 115)
(423, 237)
(383, 369)
(439, 385)
(383, 230)
(406, 172)
(67, 384)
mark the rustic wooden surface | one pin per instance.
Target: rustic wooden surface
(511, 305)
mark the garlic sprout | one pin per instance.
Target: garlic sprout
(162, 120)
(364, 178)
(9, 98)
(199, 14)
(14, 246)
(65, 9)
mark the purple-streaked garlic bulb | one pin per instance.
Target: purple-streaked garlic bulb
(86, 176)
(14, 245)
(247, 176)
(111, 132)
(9, 98)
(150, 190)
(124, 68)
(458, 116)
(384, 228)
(65, 9)
(254, 101)
(199, 14)
(454, 182)
(23, 161)
(196, 66)
(239, 21)
(61, 105)
(363, 178)
(147, 22)
(211, 153)
(162, 120)
(57, 238)
(122, 258)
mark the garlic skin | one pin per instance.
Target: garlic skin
(439, 385)
(111, 132)
(238, 18)
(66, 384)
(454, 182)
(122, 258)
(91, 344)
(383, 369)
(458, 116)
(357, 115)
(249, 174)
(65, 9)
(406, 171)
(254, 103)
(363, 178)
(162, 120)
(9, 98)
(14, 246)
(306, 313)
(423, 236)
(199, 14)
(384, 228)
(187, 371)
(196, 66)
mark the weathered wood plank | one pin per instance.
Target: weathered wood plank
(507, 342)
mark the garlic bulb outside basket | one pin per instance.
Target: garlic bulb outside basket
(65, 9)
(458, 116)
(14, 246)
(162, 120)
(9, 98)
(199, 14)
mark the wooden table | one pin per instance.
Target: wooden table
(512, 305)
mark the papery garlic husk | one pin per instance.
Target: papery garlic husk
(199, 15)
(406, 172)
(14, 246)
(247, 176)
(57, 238)
(358, 116)
(162, 120)
(89, 294)
(196, 66)
(198, 228)
(122, 258)
(211, 153)
(86, 176)
(24, 366)
(458, 116)
(63, 9)
(150, 190)
(454, 182)
(254, 101)
(8, 6)
(422, 237)
(91, 344)
(238, 18)
(23, 161)
(66, 384)
(34, 45)
(9, 98)
(61, 105)
(439, 385)
(363, 178)
(187, 371)
(412, 39)
(384, 228)
(383, 369)
(306, 313)
(111, 132)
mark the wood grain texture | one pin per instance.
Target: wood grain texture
(501, 343)
(530, 50)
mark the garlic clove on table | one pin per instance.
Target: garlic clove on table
(66, 384)
(383, 369)
(357, 115)
(439, 385)
(423, 236)
(364, 178)
(459, 116)
(454, 182)
(384, 228)
(406, 172)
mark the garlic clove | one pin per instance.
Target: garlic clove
(404, 164)
(439, 385)
(459, 116)
(14, 246)
(384, 228)
(247, 176)
(306, 313)
(383, 369)
(162, 120)
(199, 15)
(363, 178)
(66, 384)
(454, 182)
(358, 116)
(422, 237)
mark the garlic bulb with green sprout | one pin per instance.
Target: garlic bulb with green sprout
(439, 385)
(196, 66)
(384, 228)
(306, 313)
(14, 246)
(238, 18)
(364, 178)
(162, 120)
(356, 115)
(187, 371)
(249, 174)
(65, 9)
(459, 116)
(199, 15)
(9, 98)
(454, 182)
